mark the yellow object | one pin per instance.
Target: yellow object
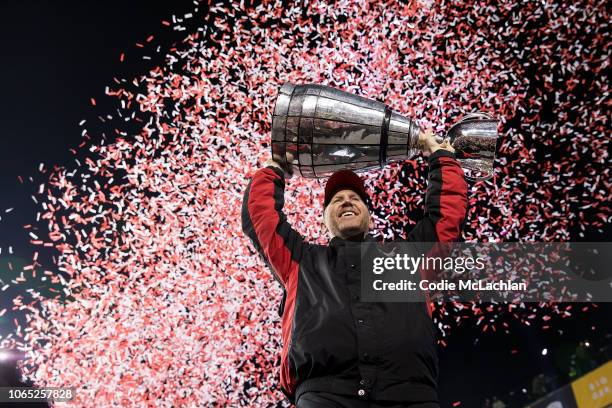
(594, 390)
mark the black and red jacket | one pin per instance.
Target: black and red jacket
(332, 342)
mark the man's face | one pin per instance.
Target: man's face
(346, 215)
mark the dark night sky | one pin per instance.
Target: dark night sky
(55, 57)
(58, 55)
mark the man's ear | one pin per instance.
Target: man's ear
(324, 229)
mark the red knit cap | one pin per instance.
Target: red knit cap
(345, 180)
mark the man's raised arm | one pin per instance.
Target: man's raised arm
(264, 222)
(446, 197)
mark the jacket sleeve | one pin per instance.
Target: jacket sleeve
(445, 201)
(264, 222)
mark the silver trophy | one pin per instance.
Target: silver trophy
(320, 129)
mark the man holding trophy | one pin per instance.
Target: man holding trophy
(337, 350)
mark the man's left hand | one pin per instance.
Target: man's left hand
(428, 143)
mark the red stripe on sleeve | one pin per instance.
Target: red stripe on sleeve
(265, 219)
(453, 200)
(287, 377)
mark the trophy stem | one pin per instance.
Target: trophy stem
(403, 139)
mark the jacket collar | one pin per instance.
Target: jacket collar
(337, 241)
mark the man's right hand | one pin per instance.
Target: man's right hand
(276, 161)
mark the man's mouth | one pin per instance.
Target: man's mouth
(347, 214)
